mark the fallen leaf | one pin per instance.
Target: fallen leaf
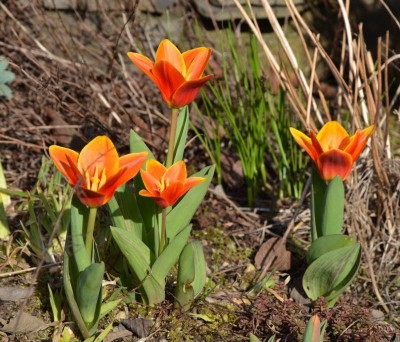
(26, 323)
(13, 294)
(139, 326)
(273, 249)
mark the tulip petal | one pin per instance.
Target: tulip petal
(130, 165)
(155, 168)
(305, 142)
(143, 63)
(315, 143)
(332, 136)
(168, 79)
(176, 172)
(191, 182)
(171, 194)
(334, 163)
(90, 198)
(101, 152)
(198, 65)
(190, 55)
(167, 51)
(358, 142)
(151, 183)
(66, 161)
(188, 91)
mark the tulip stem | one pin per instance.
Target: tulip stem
(172, 135)
(163, 230)
(89, 232)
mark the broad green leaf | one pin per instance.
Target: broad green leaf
(170, 255)
(138, 145)
(135, 251)
(181, 134)
(332, 273)
(332, 213)
(69, 293)
(191, 274)
(124, 211)
(318, 189)
(326, 244)
(88, 292)
(79, 218)
(181, 215)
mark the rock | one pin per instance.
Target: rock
(377, 315)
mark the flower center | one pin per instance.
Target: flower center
(94, 183)
(163, 184)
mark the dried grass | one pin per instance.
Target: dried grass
(373, 192)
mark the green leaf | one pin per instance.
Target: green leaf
(69, 293)
(124, 211)
(332, 213)
(181, 134)
(4, 197)
(5, 91)
(6, 77)
(88, 294)
(332, 273)
(140, 258)
(104, 333)
(79, 219)
(318, 189)
(326, 244)
(4, 229)
(168, 258)
(55, 302)
(138, 255)
(181, 215)
(108, 307)
(253, 338)
(191, 274)
(137, 144)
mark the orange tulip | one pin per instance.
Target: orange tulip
(177, 75)
(166, 186)
(97, 171)
(333, 150)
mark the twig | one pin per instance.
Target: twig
(31, 269)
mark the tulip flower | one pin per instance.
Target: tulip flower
(166, 185)
(333, 150)
(97, 171)
(177, 75)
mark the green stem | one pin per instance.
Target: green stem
(171, 144)
(89, 232)
(163, 230)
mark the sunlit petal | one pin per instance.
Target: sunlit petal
(150, 183)
(358, 142)
(89, 197)
(66, 161)
(305, 142)
(198, 65)
(143, 63)
(187, 92)
(190, 55)
(172, 192)
(332, 136)
(191, 182)
(176, 172)
(155, 168)
(168, 79)
(167, 51)
(101, 152)
(334, 163)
